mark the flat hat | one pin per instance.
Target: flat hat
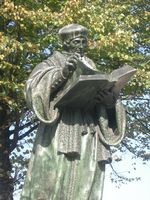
(71, 31)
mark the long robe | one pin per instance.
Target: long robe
(72, 145)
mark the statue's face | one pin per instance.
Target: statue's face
(78, 45)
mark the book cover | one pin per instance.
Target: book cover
(82, 90)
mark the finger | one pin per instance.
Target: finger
(100, 97)
(77, 56)
(101, 94)
(106, 92)
(74, 56)
(71, 67)
(97, 100)
(73, 60)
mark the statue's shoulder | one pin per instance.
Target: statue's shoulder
(56, 55)
(51, 61)
(56, 59)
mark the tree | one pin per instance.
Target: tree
(28, 34)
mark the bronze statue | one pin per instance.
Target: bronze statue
(73, 140)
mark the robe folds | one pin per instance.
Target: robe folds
(72, 145)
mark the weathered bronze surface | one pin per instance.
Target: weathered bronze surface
(83, 90)
(73, 142)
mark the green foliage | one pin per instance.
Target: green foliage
(118, 34)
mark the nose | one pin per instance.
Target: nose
(82, 44)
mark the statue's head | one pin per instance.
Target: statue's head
(74, 38)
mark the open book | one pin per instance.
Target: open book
(83, 89)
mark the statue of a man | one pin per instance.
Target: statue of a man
(72, 145)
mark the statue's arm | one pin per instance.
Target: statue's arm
(107, 98)
(112, 122)
(58, 81)
(65, 73)
(43, 83)
(39, 90)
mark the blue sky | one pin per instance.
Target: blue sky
(136, 190)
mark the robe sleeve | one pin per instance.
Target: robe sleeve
(39, 88)
(112, 124)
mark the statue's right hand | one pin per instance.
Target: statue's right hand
(70, 65)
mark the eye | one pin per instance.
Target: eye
(76, 42)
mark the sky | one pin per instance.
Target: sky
(135, 190)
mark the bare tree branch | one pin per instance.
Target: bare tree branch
(14, 143)
(140, 121)
(23, 126)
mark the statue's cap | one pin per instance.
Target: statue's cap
(72, 31)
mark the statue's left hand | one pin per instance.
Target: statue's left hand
(106, 97)
(71, 65)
